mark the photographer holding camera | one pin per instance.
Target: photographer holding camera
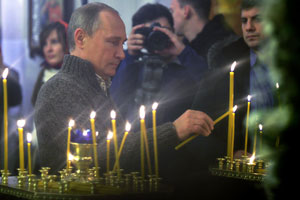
(157, 67)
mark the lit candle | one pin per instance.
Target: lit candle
(247, 124)
(231, 98)
(92, 120)
(29, 138)
(142, 122)
(71, 124)
(71, 158)
(279, 103)
(127, 129)
(21, 124)
(113, 123)
(194, 136)
(154, 107)
(260, 138)
(109, 136)
(233, 130)
(5, 119)
(254, 143)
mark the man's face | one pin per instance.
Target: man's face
(251, 27)
(178, 17)
(104, 49)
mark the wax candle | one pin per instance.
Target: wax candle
(127, 129)
(260, 138)
(21, 124)
(279, 103)
(194, 136)
(254, 142)
(92, 120)
(233, 132)
(29, 138)
(231, 98)
(113, 123)
(247, 124)
(142, 122)
(5, 118)
(71, 124)
(109, 136)
(154, 107)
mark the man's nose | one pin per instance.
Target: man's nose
(249, 25)
(120, 53)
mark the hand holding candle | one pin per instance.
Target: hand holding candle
(71, 124)
(21, 124)
(5, 118)
(29, 138)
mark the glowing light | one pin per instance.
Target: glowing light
(71, 157)
(93, 115)
(127, 127)
(5, 73)
(251, 161)
(97, 133)
(113, 114)
(21, 123)
(110, 135)
(277, 85)
(142, 112)
(233, 66)
(249, 98)
(29, 137)
(85, 133)
(154, 106)
(260, 126)
(234, 108)
(71, 123)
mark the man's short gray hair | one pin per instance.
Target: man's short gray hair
(87, 18)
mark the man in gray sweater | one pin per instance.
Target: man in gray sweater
(96, 35)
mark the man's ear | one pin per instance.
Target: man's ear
(80, 37)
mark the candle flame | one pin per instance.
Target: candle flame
(252, 158)
(233, 66)
(109, 135)
(154, 106)
(93, 115)
(142, 112)
(5, 73)
(234, 108)
(249, 98)
(71, 123)
(127, 127)
(113, 114)
(97, 133)
(21, 123)
(260, 127)
(85, 133)
(277, 85)
(71, 157)
(29, 137)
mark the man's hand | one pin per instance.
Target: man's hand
(177, 46)
(193, 121)
(135, 41)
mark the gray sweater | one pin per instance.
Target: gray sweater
(73, 93)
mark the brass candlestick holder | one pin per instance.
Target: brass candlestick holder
(5, 174)
(82, 160)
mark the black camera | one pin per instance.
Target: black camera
(154, 40)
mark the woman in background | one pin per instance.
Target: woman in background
(53, 46)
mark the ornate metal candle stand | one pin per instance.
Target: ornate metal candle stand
(240, 168)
